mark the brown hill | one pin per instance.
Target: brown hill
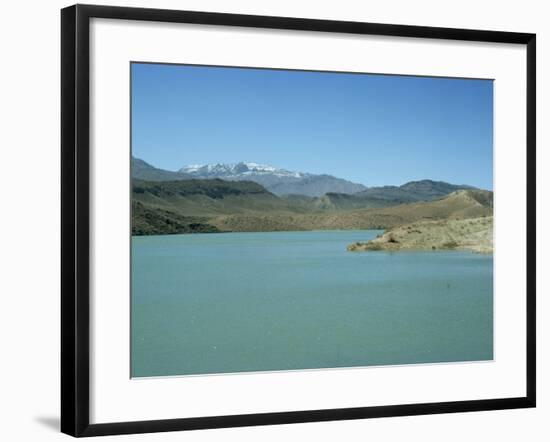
(186, 206)
(474, 234)
(458, 205)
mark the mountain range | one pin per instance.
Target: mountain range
(338, 193)
(250, 197)
(277, 181)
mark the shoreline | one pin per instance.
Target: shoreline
(257, 231)
(471, 234)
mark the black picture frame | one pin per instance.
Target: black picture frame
(75, 212)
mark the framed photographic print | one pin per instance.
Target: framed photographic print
(274, 220)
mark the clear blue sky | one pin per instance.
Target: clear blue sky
(370, 129)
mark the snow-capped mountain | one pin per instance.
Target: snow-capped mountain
(276, 180)
(237, 170)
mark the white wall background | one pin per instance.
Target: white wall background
(29, 221)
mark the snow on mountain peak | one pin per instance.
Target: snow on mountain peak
(234, 170)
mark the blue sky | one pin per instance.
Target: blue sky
(370, 129)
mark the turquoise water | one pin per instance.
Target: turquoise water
(236, 302)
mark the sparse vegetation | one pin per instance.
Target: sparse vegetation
(449, 245)
(474, 234)
(214, 205)
(147, 221)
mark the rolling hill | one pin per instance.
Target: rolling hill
(188, 206)
(215, 205)
(458, 205)
(209, 197)
(385, 196)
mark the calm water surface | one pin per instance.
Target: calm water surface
(235, 302)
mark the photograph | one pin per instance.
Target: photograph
(299, 220)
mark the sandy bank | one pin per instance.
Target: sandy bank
(475, 234)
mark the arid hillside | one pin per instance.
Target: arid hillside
(215, 205)
(458, 205)
(474, 234)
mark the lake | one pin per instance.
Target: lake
(238, 302)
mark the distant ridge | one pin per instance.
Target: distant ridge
(335, 193)
(422, 190)
(219, 170)
(276, 180)
(385, 196)
(144, 171)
